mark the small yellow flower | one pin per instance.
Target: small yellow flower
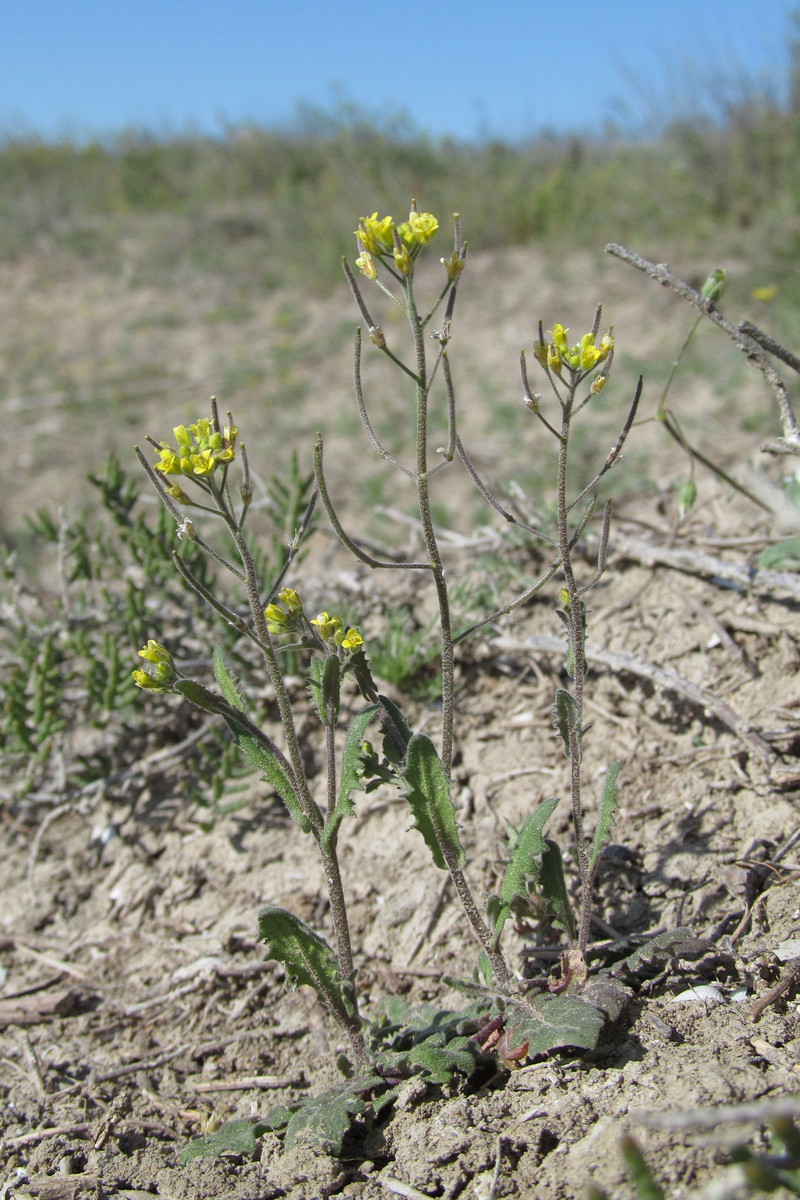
(177, 493)
(276, 618)
(454, 265)
(559, 336)
(403, 260)
(366, 265)
(290, 598)
(419, 228)
(554, 358)
(352, 640)
(598, 383)
(375, 235)
(163, 676)
(589, 354)
(155, 653)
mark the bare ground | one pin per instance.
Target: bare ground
(135, 1002)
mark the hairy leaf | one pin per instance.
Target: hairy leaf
(307, 958)
(272, 772)
(523, 866)
(325, 1119)
(428, 793)
(394, 733)
(229, 685)
(567, 717)
(234, 1137)
(553, 888)
(331, 686)
(608, 812)
(351, 777)
(551, 1022)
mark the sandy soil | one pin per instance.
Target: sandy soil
(134, 999)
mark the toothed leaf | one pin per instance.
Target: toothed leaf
(307, 958)
(234, 1137)
(523, 867)
(229, 685)
(428, 793)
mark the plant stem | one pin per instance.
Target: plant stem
(575, 633)
(330, 862)
(429, 533)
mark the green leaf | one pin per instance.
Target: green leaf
(524, 865)
(553, 888)
(252, 746)
(668, 943)
(351, 773)
(200, 696)
(234, 1137)
(551, 1022)
(427, 790)
(229, 686)
(639, 1173)
(609, 804)
(781, 556)
(567, 717)
(308, 958)
(324, 1120)
(271, 770)
(315, 672)
(331, 686)
(440, 1060)
(397, 731)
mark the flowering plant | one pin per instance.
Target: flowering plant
(518, 1018)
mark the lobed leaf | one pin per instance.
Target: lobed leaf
(234, 1137)
(307, 957)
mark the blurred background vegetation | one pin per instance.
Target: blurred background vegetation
(268, 207)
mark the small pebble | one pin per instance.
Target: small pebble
(704, 993)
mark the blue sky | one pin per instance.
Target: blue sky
(470, 69)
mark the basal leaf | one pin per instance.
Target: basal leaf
(351, 777)
(234, 1137)
(608, 812)
(325, 1119)
(428, 793)
(550, 1022)
(307, 958)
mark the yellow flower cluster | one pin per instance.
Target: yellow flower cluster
(330, 629)
(582, 357)
(163, 676)
(200, 449)
(380, 236)
(281, 620)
